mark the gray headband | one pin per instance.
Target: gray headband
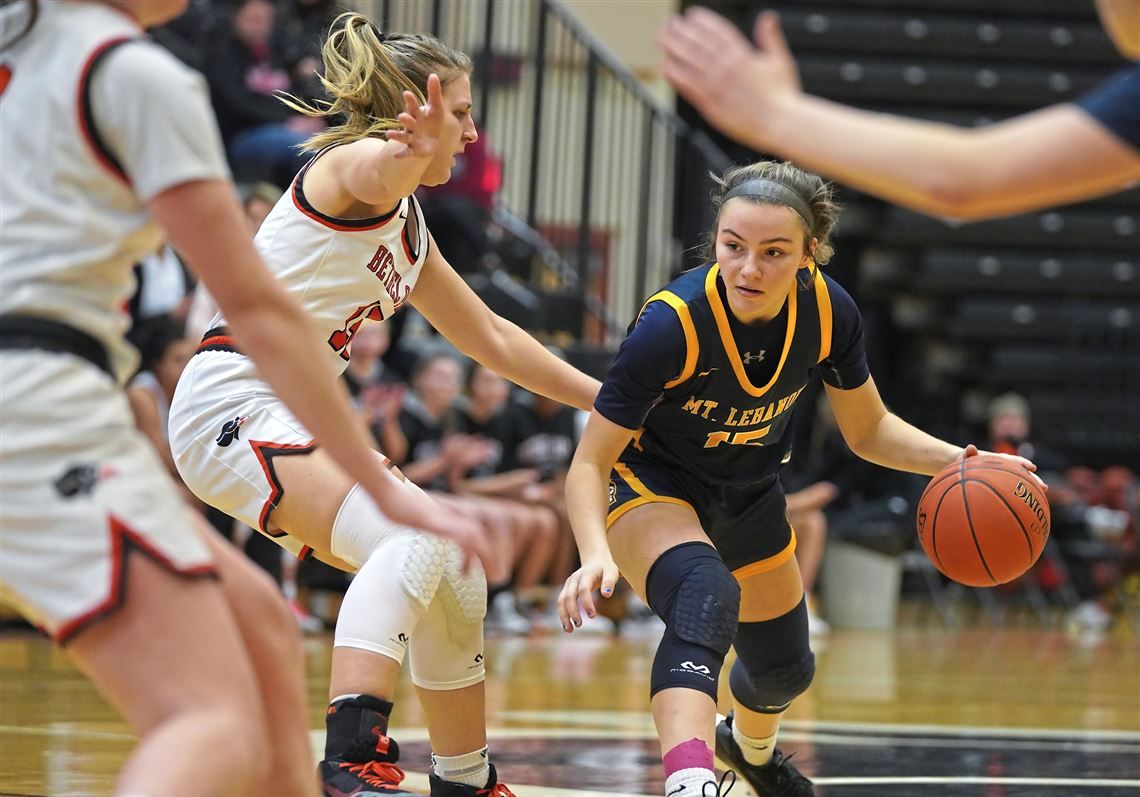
(759, 188)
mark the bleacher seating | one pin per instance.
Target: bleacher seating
(1046, 303)
(959, 270)
(926, 35)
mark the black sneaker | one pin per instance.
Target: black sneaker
(377, 777)
(777, 778)
(446, 788)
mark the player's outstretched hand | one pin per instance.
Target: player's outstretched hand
(578, 592)
(733, 84)
(422, 124)
(972, 451)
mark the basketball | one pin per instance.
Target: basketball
(983, 521)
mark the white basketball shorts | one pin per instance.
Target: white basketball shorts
(80, 489)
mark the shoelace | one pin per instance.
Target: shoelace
(786, 774)
(721, 789)
(376, 773)
(498, 790)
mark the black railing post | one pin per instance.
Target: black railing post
(536, 130)
(587, 172)
(488, 63)
(646, 195)
(436, 16)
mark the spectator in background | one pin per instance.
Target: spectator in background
(261, 134)
(484, 416)
(459, 211)
(806, 517)
(256, 202)
(545, 434)
(163, 286)
(164, 351)
(1009, 426)
(1064, 153)
(298, 35)
(434, 456)
(377, 391)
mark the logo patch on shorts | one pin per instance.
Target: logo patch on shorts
(613, 492)
(81, 479)
(229, 431)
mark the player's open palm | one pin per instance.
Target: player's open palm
(422, 124)
(578, 592)
(714, 67)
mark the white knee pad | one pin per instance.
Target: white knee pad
(398, 574)
(447, 649)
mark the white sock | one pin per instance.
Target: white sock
(756, 751)
(688, 782)
(470, 769)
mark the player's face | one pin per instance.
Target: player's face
(458, 130)
(760, 248)
(488, 388)
(439, 383)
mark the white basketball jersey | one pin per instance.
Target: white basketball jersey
(344, 272)
(83, 150)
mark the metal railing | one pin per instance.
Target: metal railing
(591, 159)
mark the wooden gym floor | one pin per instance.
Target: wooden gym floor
(920, 711)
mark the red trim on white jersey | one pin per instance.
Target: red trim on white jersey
(123, 541)
(86, 116)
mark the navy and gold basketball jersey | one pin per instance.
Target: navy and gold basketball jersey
(715, 419)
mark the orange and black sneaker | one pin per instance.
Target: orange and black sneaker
(376, 777)
(447, 788)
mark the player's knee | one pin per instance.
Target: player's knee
(772, 690)
(691, 589)
(774, 662)
(447, 650)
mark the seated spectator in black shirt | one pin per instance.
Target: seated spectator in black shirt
(244, 71)
(536, 526)
(544, 435)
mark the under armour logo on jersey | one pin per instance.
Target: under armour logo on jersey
(750, 358)
(688, 665)
(229, 431)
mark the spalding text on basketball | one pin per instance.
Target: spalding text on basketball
(1025, 495)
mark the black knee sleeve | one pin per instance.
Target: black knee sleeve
(355, 728)
(774, 662)
(691, 589)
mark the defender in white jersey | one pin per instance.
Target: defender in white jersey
(349, 241)
(108, 143)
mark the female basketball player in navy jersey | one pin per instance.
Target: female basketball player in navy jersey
(676, 484)
(178, 631)
(349, 240)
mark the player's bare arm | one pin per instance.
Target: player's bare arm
(449, 305)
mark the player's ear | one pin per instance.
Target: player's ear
(809, 253)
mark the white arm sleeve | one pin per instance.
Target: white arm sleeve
(154, 114)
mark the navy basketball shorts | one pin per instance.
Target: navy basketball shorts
(748, 524)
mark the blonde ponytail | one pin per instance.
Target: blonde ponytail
(367, 72)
